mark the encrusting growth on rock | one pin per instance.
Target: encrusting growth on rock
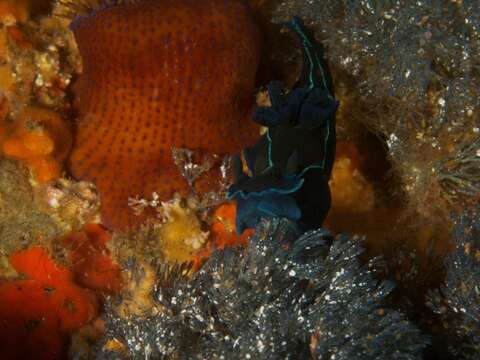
(42, 139)
(157, 75)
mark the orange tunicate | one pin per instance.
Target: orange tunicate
(91, 263)
(223, 230)
(223, 233)
(40, 312)
(42, 139)
(157, 75)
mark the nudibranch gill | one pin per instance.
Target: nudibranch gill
(159, 74)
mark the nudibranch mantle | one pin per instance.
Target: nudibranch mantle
(157, 75)
(289, 167)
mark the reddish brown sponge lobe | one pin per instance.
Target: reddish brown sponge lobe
(158, 74)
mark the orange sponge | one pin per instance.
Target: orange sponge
(157, 75)
(40, 138)
(38, 313)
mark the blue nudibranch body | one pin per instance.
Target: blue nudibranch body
(286, 173)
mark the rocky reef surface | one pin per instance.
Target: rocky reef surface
(405, 186)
